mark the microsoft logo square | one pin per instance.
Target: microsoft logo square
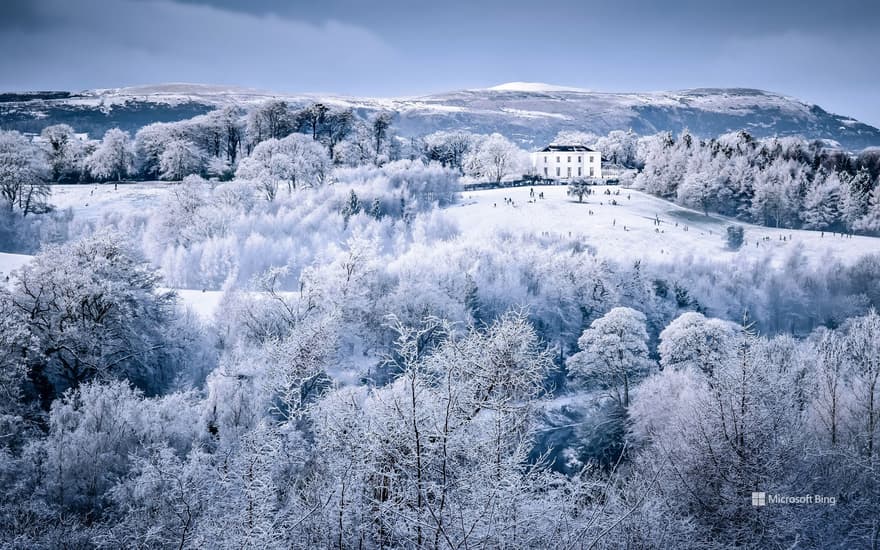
(759, 498)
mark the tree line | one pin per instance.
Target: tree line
(779, 182)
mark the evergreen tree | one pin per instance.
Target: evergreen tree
(870, 222)
(352, 206)
(853, 201)
(822, 203)
(579, 188)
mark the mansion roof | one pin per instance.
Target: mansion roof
(554, 148)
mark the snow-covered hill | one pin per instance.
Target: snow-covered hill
(531, 113)
(625, 231)
(628, 230)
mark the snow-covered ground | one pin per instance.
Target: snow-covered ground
(91, 202)
(203, 303)
(628, 230)
(11, 262)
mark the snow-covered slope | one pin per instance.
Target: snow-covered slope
(531, 113)
(627, 231)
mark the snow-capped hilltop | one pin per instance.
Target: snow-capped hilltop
(175, 93)
(183, 88)
(531, 113)
(533, 87)
(534, 113)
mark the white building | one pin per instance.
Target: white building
(567, 162)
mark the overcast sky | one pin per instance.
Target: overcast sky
(820, 51)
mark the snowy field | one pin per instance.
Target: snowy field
(91, 202)
(11, 262)
(628, 230)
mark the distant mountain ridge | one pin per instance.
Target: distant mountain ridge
(530, 113)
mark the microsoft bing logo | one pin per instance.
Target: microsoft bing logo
(759, 498)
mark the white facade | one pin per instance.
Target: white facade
(564, 162)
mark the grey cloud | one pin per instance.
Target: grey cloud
(109, 42)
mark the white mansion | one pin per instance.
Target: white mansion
(567, 161)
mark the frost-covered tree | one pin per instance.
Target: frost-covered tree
(352, 206)
(13, 367)
(448, 148)
(735, 236)
(114, 157)
(219, 168)
(24, 174)
(312, 118)
(223, 131)
(269, 120)
(694, 342)
(822, 201)
(186, 215)
(180, 159)
(716, 427)
(830, 385)
(357, 148)
(576, 137)
(618, 148)
(703, 185)
(863, 356)
(296, 160)
(614, 352)
(92, 310)
(579, 188)
(337, 127)
(853, 201)
(380, 128)
(493, 158)
(773, 202)
(423, 454)
(65, 152)
(149, 144)
(870, 222)
(665, 160)
(95, 435)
